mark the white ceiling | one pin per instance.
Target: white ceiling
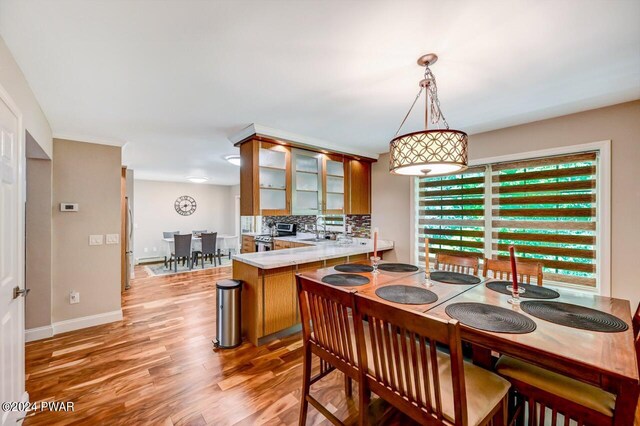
(175, 78)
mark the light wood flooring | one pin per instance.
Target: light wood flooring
(157, 366)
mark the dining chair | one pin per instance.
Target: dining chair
(636, 321)
(501, 270)
(400, 362)
(168, 234)
(461, 264)
(208, 249)
(327, 332)
(181, 249)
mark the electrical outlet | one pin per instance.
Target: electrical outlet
(113, 238)
(146, 249)
(155, 249)
(96, 240)
(74, 297)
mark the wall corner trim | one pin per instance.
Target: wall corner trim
(38, 333)
(88, 321)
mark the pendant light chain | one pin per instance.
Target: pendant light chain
(436, 113)
(437, 116)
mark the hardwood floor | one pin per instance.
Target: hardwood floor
(158, 366)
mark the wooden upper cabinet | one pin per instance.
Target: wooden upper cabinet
(358, 194)
(334, 198)
(265, 179)
(278, 180)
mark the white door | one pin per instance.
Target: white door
(11, 263)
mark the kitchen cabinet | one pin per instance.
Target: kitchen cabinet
(307, 182)
(333, 184)
(248, 244)
(279, 244)
(358, 187)
(280, 179)
(265, 179)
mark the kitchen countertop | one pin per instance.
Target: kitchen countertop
(315, 252)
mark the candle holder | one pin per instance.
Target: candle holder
(375, 261)
(515, 294)
(427, 278)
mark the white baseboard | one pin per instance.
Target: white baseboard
(84, 322)
(71, 325)
(38, 333)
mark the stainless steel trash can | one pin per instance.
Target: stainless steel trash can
(228, 334)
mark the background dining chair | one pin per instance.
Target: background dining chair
(181, 249)
(209, 250)
(636, 321)
(400, 363)
(461, 264)
(501, 270)
(199, 232)
(327, 332)
(168, 234)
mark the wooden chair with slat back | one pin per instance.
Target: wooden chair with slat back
(556, 395)
(400, 362)
(501, 270)
(327, 332)
(461, 264)
(636, 321)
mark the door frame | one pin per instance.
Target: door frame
(22, 185)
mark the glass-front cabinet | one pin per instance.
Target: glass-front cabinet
(333, 184)
(273, 179)
(318, 183)
(307, 182)
(277, 179)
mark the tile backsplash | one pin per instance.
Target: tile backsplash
(360, 224)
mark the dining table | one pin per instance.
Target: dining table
(224, 242)
(603, 359)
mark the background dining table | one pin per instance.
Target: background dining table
(225, 242)
(606, 360)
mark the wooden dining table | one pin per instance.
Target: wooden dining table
(606, 360)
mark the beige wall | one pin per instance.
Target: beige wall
(619, 123)
(154, 213)
(38, 243)
(87, 174)
(390, 195)
(13, 81)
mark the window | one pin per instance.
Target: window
(545, 207)
(451, 213)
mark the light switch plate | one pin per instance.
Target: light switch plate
(96, 240)
(113, 238)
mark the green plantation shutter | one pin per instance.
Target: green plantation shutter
(451, 213)
(546, 208)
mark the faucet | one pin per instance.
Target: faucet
(324, 226)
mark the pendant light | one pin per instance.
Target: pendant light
(428, 152)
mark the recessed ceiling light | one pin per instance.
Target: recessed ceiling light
(233, 159)
(197, 179)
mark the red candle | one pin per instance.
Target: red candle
(514, 271)
(375, 243)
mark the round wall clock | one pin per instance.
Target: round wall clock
(185, 205)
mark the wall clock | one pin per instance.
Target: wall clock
(185, 205)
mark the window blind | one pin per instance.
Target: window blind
(546, 208)
(451, 213)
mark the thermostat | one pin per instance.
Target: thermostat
(69, 207)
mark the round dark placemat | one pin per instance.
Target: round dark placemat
(531, 291)
(353, 267)
(574, 316)
(406, 294)
(398, 267)
(345, 280)
(454, 277)
(490, 318)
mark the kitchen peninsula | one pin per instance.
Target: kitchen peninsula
(269, 298)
